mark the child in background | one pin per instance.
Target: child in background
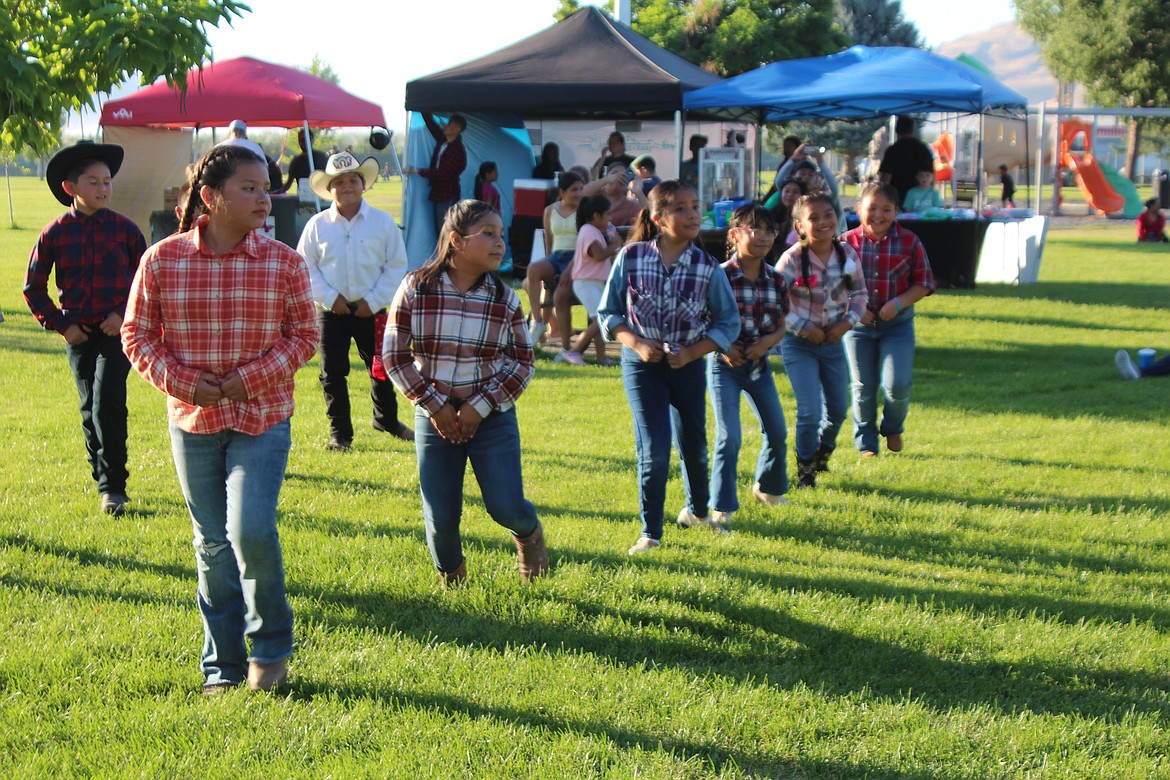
(1009, 188)
(485, 184)
(880, 347)
(762, 299)
(220, 318)
(93, 253)
(669, 303)
(597, 243)
(826, 293)
(1151, 224)
(924, 196)
(455, 345)
(560, 242)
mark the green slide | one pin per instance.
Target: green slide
(1133, 202)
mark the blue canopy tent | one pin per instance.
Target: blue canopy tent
(858, 83)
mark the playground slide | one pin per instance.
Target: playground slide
(1091, 179)
(1124, 187)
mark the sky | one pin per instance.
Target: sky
(377, 46)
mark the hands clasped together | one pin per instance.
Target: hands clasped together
(457, 425)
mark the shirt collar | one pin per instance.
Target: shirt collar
(250, 246)
(336, 216)
(766, 270)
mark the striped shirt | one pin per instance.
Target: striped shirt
(892, 265)
(683, 304)
(762, 302)
(94, 257)
(827, 298)
(192, 311)
(442, 345)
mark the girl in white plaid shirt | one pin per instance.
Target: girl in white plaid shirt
(456, 346)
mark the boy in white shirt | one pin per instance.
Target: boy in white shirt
(356, 259)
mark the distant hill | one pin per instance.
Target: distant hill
(1012, 56)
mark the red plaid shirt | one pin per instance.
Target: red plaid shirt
(193, 311)
(892, 266)
(94, 257)
(442, 344)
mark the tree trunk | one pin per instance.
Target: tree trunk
(1133, 141)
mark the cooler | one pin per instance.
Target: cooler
(530, 196)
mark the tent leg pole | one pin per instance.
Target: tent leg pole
(679, 129)
(312, 168)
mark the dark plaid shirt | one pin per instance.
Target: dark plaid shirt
(93, 257)
(763, 303)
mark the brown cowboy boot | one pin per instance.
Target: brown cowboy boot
(267, 677)
(533, 555)
(454, 579)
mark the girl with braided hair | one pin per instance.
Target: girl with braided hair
(826, 293)
(220, 318)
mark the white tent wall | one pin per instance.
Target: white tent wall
(155, 160)
(581, 141)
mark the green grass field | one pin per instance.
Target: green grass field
(990, 603)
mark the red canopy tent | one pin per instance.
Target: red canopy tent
(258, 92)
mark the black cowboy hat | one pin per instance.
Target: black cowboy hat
(64, 160)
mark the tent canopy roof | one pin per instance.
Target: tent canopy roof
(857, 83)
(587, 65)
(258, 92)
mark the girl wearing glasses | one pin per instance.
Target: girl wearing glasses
(456, 346)
(762, 298)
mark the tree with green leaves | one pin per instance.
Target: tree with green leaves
(867, 23)
(729, 37)
(58, 54)
(1116, 49)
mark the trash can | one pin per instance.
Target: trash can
(1162, 188)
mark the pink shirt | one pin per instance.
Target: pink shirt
(584, 267)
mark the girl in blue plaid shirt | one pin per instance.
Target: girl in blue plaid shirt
(668, 303)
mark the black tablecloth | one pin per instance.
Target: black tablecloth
(952, 246)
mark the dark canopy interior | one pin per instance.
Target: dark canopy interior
(585, 66)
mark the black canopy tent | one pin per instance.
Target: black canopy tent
(587, 66)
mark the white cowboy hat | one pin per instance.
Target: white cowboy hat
(341, 163)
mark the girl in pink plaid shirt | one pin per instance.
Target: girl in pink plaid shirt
(826, 293)
(220, 318)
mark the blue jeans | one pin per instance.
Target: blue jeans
(494, 453)
(755, 380)
(881, 355)
(99, 370)
(231, 482)
(820, 382)
(666, 402)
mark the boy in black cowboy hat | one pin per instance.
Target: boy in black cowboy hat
(94, 253)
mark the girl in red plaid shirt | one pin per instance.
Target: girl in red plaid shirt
(456, 346)
(881, 347)
(220, 318)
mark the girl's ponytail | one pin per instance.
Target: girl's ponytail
(644, 228)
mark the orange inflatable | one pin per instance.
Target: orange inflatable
(944, 161)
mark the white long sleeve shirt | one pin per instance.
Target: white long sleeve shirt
(360, 258)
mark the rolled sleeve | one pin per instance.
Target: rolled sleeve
(725, 319)
(612, 311)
